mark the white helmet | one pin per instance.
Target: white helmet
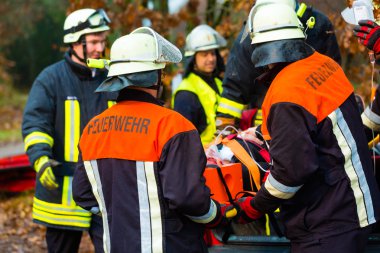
(141, 50)
(203, 38)
(291, 3)
(84, 21)
(248, 27)
(270, 21)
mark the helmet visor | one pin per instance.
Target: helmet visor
(165, 51)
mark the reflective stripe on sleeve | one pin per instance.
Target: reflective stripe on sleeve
(371, 119)
(60, 214)
(279, 190)
(72, 130)
(36, 138)
(230, 107)
(206, 218)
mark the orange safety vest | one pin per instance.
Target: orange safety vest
(307, 83)
(107, 135)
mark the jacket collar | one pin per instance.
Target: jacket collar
(137, 95)
(269, 75)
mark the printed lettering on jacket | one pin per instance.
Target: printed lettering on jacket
(118, 123)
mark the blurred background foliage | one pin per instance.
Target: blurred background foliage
(31, 32)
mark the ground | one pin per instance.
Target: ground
(18, 234)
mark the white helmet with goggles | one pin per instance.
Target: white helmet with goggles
(84, 21)
(203, 38)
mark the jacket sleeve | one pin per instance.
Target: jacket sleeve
(371, 116)
(322, 37)
(82, 191)
(182, 164)
(189, 106)
(38, 118)
(293, 153)
(238, 82)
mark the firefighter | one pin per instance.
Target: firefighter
(60, 103)
(142, 163)
(322, 175)
(241, 85)
(198, 94)
(368, 33)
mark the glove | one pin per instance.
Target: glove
(45, 175)
(247, 212)
(224, 213)
(222, 122)
(252, 134)
(368, 33)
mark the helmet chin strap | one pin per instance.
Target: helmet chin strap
(77, 56)
(82, 40)
(84, 48)
(160, 87)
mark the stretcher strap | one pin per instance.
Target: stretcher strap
(228, 228)
(242, 155)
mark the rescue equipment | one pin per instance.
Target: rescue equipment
(98, 63)
(224, 181)
(243, 177)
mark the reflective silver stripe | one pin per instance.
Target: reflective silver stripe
(72, 130)
(69, 199)
(67, 196)
(145, 226)
(60, 209)
(206, 218)
(279, 190)
(37, 138)
(354, 169)
(155, 209)
(94, 178)
(371, 119)
(230, 108)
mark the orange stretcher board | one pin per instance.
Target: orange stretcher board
(232, 174)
